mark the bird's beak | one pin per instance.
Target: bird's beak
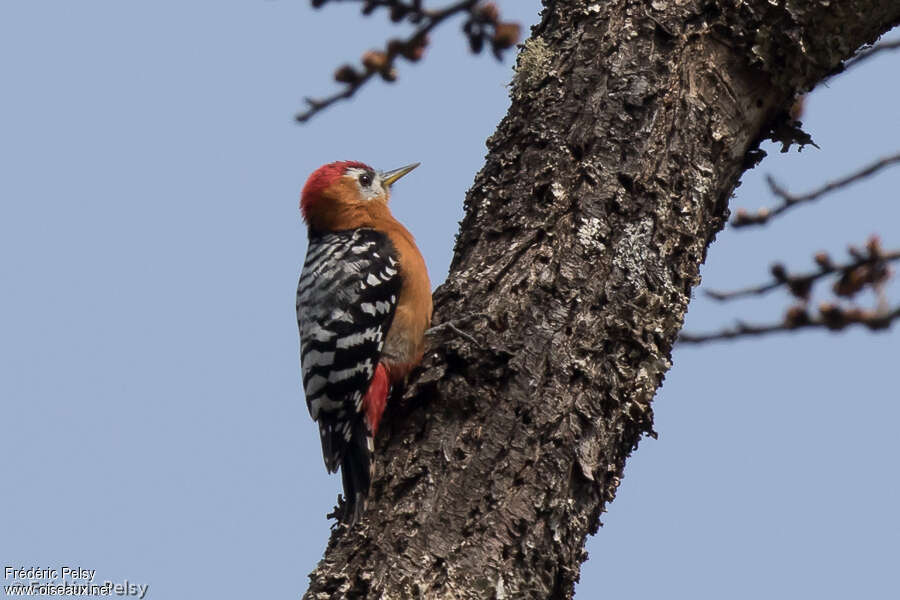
(389, 177)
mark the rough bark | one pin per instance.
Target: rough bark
(630, 125)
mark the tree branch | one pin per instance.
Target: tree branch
(743, 219)
(831, 317)
(873, 51)
(800, 285)
(483, 25)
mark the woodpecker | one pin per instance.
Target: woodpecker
(363, 305)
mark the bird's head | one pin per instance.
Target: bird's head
(341, 195)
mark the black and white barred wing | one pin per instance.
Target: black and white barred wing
(345, 304)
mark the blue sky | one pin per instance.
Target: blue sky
(153, 426)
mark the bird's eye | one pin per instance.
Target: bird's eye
(365, 180)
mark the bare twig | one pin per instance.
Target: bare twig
(874, 50)
(743, 218)
(800, 285)
(830, 317)
(451, 325)
(318, 104)
(482, 25)
(867, 269)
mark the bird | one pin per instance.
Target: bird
(363, 306)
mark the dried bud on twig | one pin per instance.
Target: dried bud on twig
(506, 35)
(414, 54)
(389, 75)
(856, 279)
(488, 12)
(873, 245)
(414, 50)
(346, 74)
(375, 60)
(778, 272)
(852, 282)
(823, 260)
(856, 253)
(395, 47)
(800, 287)
(796, 316)
(858, 314)
(476, 43)
(398, 11)
(832, 316)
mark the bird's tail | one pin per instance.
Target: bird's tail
(358, 464)
(357, 469)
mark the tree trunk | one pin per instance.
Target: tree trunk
(630, 125)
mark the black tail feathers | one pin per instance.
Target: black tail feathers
(357, 466)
